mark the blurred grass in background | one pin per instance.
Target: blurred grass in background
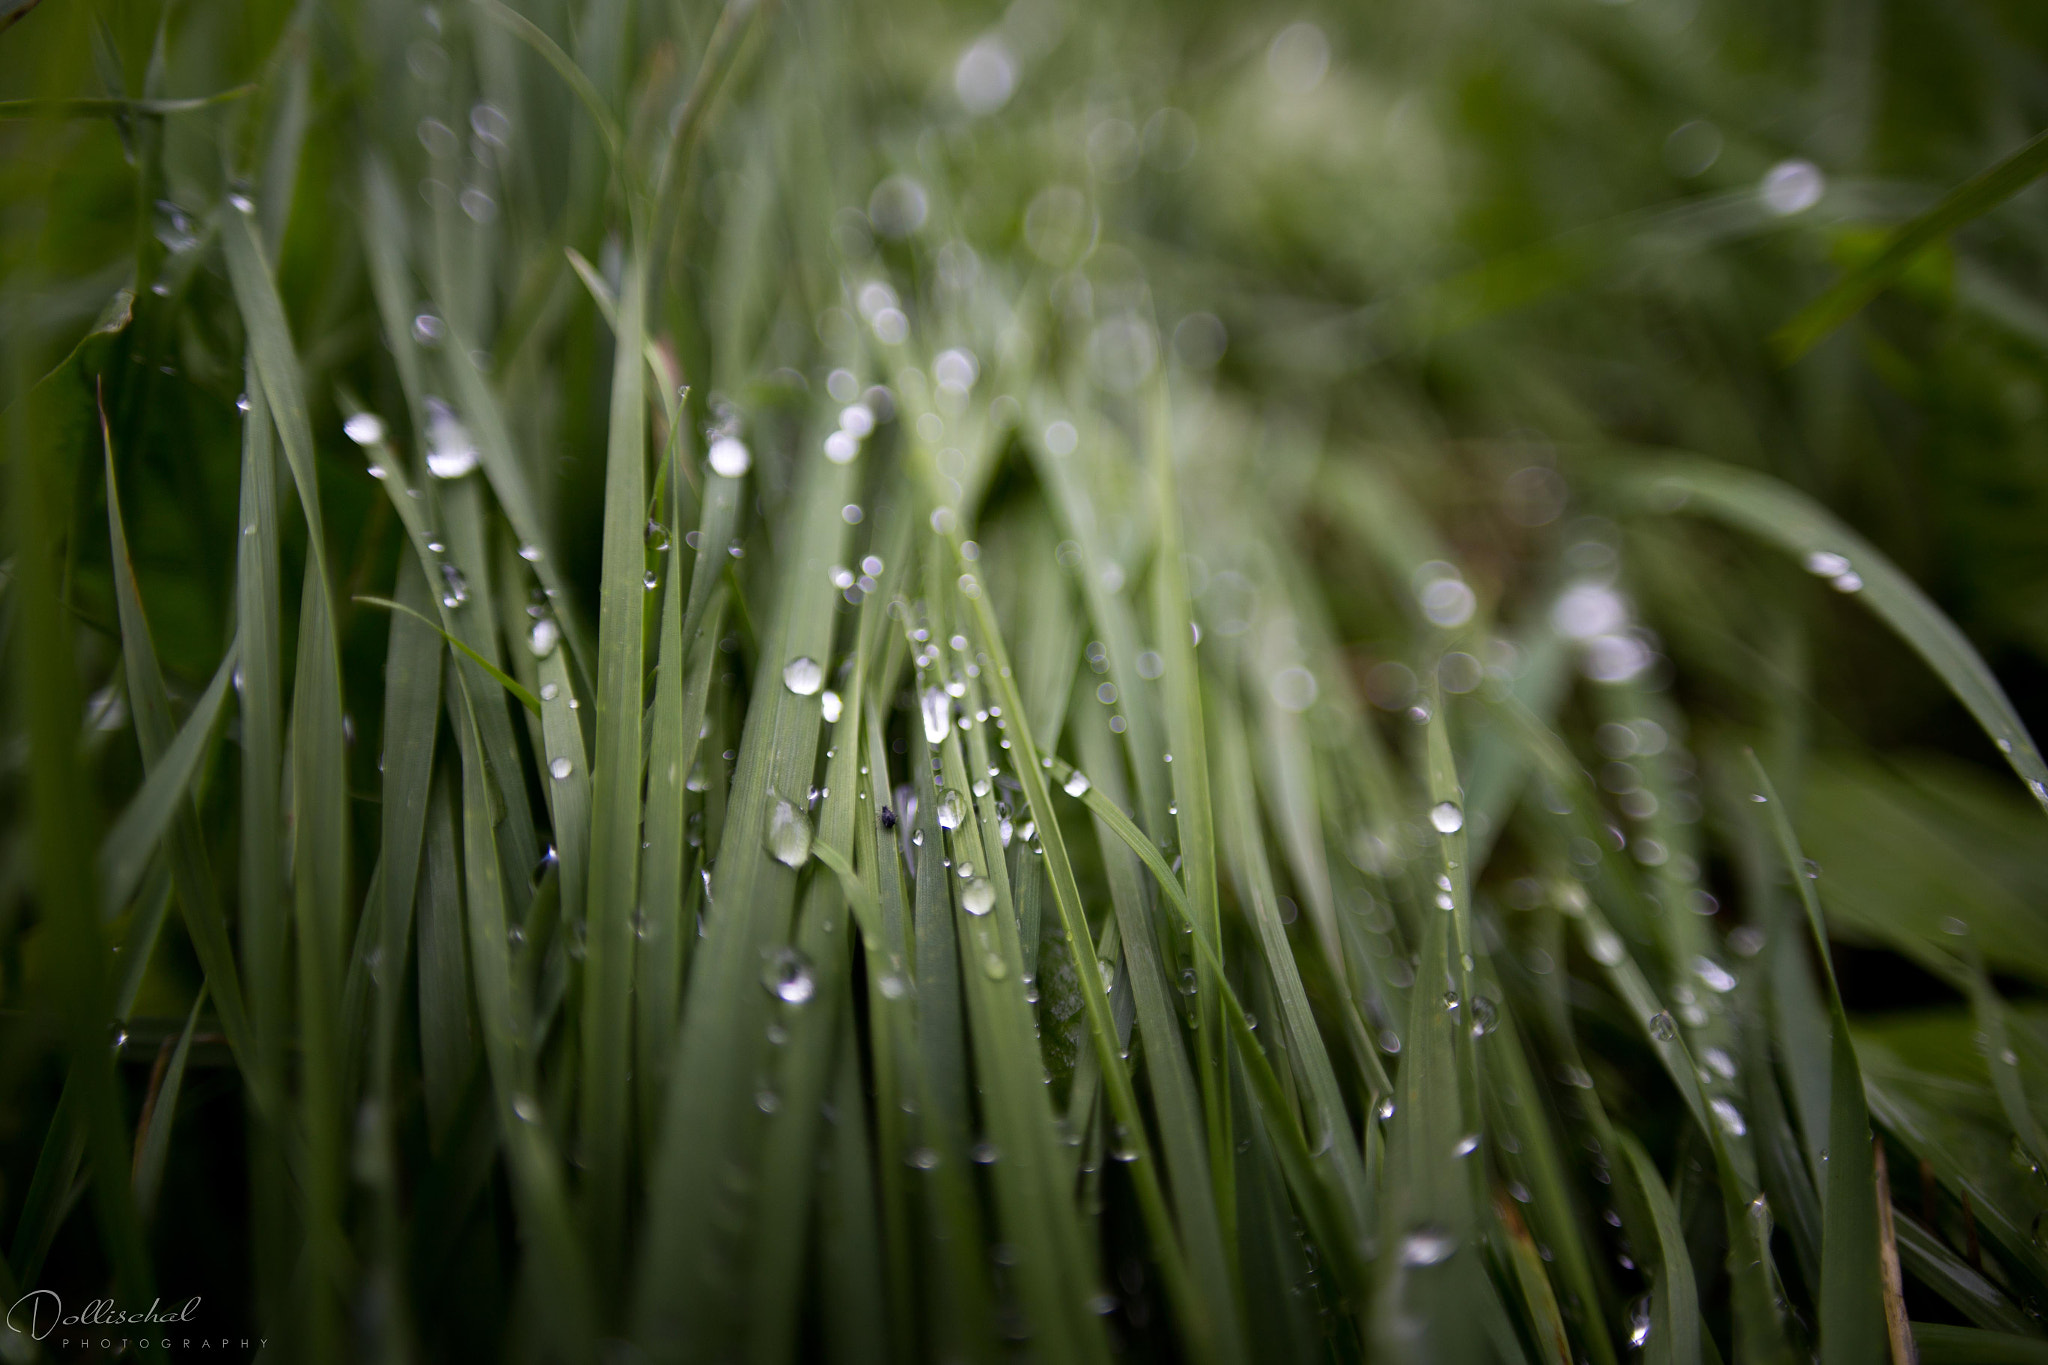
(606, 604)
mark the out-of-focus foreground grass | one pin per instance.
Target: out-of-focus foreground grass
(893, 681)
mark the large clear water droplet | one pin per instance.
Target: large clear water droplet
(561, 768)
(544, 637)
(803, 675)
(364, 428)
(1663, 1027)
(451, 453)
(789, 977)
(789, 833)
(979, 898)
(937, 710)
(952, 808)
(1077, 783)
(1447, 818)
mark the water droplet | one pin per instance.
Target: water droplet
(544, 637)
(657, 537)
(1385, 1109)
(730, 457)
(1427, 1245)
(979, 898)
(1639, 1321)
(789, 977)
(1447, 818)
(830, 706)
(841, 447)
(525, 1107)
(561, 768)
(530, 553)
(984, 1153)
(937, 710)
(364, 428)
(454, 588)
(1717, 977)
(789, 833)
(549, 691)
(1108, 970)
(924, 1158)
(993, 967)
(242, 202)
(1663, 1027)
(1729, 1116)
(894, 987)
(951, 809)
(1076, 783)
(1605, 946)
(803, 675)
(451, 453)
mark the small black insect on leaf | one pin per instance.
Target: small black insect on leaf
(888, 818)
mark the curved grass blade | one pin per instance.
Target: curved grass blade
(498, 675)
(198, 897)
(131, 842)
(565, 66)
(1803, 528)
(1971, 200)
(1675, 1334)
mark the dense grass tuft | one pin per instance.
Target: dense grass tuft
(876, 682)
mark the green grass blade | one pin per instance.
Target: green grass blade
(710, 1114)
(48, 709)
(263, 925)
(569, 1312)
(1176, 1098)
(1852, 1323)
(520, 691)
(198, 897)
(1801, 527)
(132, 841)
(615, 798)
(153, 1142)
(1967, 202)
(318, 781)
(1675, 1332)
(1939, 1344)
